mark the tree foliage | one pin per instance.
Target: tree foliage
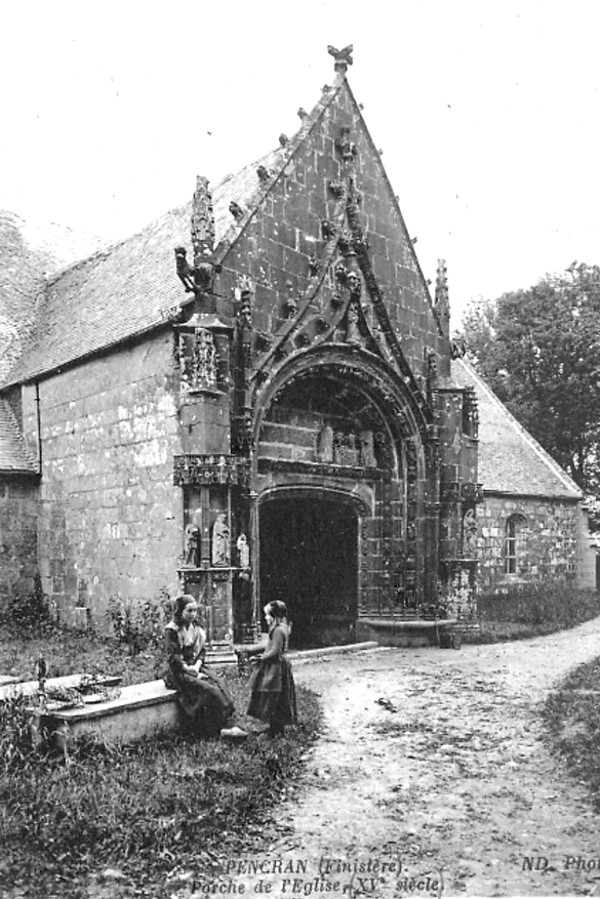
(539, 349)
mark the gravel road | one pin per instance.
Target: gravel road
(432, 778)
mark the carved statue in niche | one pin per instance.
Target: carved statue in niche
(338, 438)
(192, 546)
(469, 533)
(325, 444)
(220, 551)
(352, 332)
(243, 551)
(222, 470)
(345, 450)
(205, 359)
(367, 449)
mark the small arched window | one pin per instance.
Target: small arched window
(513, 542)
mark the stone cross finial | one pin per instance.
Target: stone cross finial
(343, 58)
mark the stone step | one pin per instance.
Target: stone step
(220, 654)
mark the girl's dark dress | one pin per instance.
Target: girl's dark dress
(205, 703)
(272, 683)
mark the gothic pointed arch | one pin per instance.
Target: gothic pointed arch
(338, 415)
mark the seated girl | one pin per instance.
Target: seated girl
(206, 704)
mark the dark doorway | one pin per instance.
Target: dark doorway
(309, 559)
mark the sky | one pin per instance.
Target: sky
(487, 114)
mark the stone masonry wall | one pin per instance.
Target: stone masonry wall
(276, 247)
(547, 544)
(110, 517)
(18, 536)
(586, 552)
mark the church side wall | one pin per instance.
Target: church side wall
(110, 516)
(546, 542)
(18, 537)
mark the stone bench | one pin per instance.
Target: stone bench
(139, 710)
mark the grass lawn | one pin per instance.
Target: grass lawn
(74, 652)
(153, 813)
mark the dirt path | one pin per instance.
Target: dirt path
(445, 787)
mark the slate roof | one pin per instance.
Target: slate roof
(14, 455)
(511, 461)
(124, 289)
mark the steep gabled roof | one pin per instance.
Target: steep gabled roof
(510, 459)
(30, 251)
(14, 455)
(123, 290)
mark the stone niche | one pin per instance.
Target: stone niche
(215, 548)
(330, 427)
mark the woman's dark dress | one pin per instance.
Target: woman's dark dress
(272, 683)
(205, 703)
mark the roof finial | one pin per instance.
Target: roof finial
(441, 284)
(343, 58)
(442, 302)
(203, 221)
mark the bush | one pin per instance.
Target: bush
(139, 625)
(27, 611)
(534, 609)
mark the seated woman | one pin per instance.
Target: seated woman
(273, 698)
(205, 702)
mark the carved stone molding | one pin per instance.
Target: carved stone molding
(327, 229)
(203, 221)
(345, 147)
(199, 470)
(336, 188)
(471, 493)
(242, 441)
(319, 468)
(246, 301)
(470, 413)
(450, 492)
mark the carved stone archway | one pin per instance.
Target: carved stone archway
(340, 422)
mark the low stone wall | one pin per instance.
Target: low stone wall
(402, 633)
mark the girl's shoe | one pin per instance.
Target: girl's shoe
(233, 733)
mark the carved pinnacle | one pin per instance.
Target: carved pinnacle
(342, 58)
